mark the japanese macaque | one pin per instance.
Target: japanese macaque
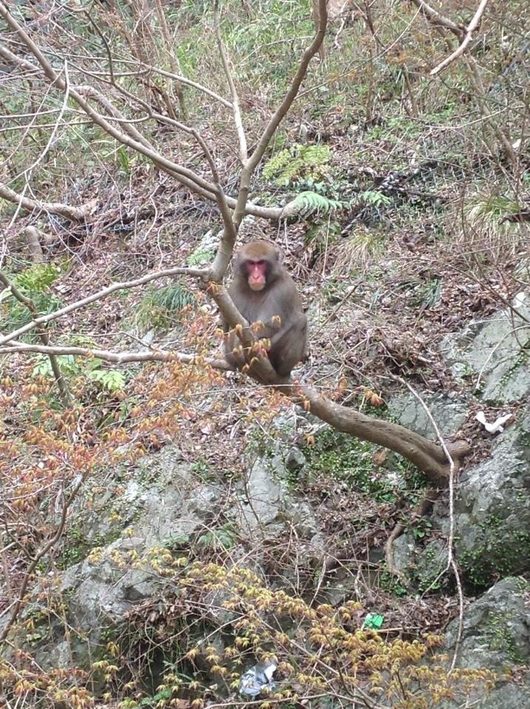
(266, 296)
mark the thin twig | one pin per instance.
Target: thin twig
(243, 149)
(452, 469)
(36, 559)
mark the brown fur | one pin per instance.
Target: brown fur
(277, 306)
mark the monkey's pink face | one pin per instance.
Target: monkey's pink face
(257, 274)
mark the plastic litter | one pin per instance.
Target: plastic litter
(256, 678)
(373, 621)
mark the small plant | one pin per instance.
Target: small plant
(219, 539)
(428, 294)
(256, 622)
(339, 456)
(162, 307)
(358, 250)
(202, 468)
(297, 164)
(311, 203)
(391, 584)
(111, 381)
(488, 227)
(500, 637)
(421, 528)
(37, 278)
(489, 210)
(34, 283)
(374, 198)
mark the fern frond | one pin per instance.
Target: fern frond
(309, 203)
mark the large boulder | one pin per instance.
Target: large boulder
(496, 636)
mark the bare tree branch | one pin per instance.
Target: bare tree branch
(43, 319)
(76, 214)
(243, 150)
(182, 79)
(128, 136)
(290, 96)
(437, 19)
(152, 355)
(467, 39)
(226, 247)
(500, 132)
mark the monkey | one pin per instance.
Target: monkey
(265, 293)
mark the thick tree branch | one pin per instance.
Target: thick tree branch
(437, 19)
(428, 456)
(76, 214)
(425, 454)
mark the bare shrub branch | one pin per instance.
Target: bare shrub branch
(43, 335)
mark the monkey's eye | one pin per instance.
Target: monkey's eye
(260, 265)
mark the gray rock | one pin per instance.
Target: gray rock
(492, 510)
(295, 460)
(261, 501)
(265, 505)
(496, 352)
(404, 554)
(496, 636)
(161, 501)
(448, 414)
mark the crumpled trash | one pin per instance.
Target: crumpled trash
(256, 678)
(495, 427)
(373, 621)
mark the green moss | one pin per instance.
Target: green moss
(78, 546)
(493, 555)
(349, 459)
(499, 636)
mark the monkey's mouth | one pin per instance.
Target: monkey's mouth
(257, 285)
